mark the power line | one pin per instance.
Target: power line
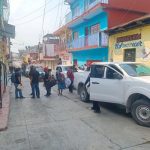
(39, 15)
(43, 19)
(61, 13)
(36, 10)
(57, 14)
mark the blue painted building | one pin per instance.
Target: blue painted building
(87, 21)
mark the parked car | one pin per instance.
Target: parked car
(38, 68)
(127, 84)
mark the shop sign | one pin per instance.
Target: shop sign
(130, 41)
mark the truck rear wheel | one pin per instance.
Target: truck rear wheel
(141, 112)
(84, 96)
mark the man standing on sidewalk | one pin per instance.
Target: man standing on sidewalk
(35, 83)
(18, 84)
(96, 106)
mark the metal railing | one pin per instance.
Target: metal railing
(89, 6)
(70, 16)
(87, 41)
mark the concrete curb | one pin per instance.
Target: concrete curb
(4, 112)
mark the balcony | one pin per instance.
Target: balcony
(89, 6)
(70, 17)
(92, 41)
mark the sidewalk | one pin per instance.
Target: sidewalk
(4, 112)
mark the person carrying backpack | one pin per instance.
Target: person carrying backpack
(16, 79)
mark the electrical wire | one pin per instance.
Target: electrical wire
(60, 21)
(39, 15)
(43, 20)
(57, 14)
(34, 11)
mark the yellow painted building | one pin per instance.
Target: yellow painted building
(130, 45)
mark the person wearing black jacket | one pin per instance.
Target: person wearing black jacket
(34, 75)
(17, 83)
(96, 106)
(47, 82)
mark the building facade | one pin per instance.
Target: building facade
(7, 31)
(50, 56)
(64, 35)
(88, 21)
(130, 42)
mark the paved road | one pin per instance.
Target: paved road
(65, 123)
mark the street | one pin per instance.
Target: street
(66, 123)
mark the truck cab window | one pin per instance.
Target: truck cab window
(112, 74)
(97, 71)
(114, 67)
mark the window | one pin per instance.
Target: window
(76, 11)
(75, 35)
(91, 1)
(111, 74)
(95, 28)
(136, 70)
(97, 71)
(115, 67)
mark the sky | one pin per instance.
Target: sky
(27, 16)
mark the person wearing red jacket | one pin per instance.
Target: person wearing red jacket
(70, 75)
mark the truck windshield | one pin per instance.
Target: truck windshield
(136, 70)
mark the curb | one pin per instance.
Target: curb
(4, 112)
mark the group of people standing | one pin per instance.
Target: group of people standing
(61, 80)
(49, 81)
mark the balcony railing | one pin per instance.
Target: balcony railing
(70, 16)
(94, 40)
(89, 6)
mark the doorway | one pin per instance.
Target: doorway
(130, 55)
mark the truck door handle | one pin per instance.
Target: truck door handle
(95, 83)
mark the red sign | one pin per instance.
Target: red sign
(89, 62)
(129, 38)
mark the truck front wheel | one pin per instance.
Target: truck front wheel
(141, 112)
(84, 96)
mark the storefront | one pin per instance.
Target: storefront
(132, 45)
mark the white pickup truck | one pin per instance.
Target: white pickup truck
(127, 84)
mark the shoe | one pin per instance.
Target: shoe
(38, 96)
(32, 97)
(97, 111)
(92, 108)
(22, 97)
(31, 94)
(16, 97)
